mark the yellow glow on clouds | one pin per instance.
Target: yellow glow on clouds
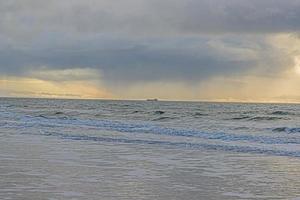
(86, 83)
(281, 89)
(297, 65)
(238, 89)
(77, 83)
(253, 86)
(23, 87)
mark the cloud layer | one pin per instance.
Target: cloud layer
(125, 43)
(147, 17)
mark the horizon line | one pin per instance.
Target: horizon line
(159, 100)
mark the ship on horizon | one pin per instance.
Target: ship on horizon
(152, 100)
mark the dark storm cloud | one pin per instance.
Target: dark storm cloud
(70, 34)
(138, 60)
(147, 17)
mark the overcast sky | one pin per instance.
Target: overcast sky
(171, 49)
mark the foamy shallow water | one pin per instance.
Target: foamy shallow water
(65, 149)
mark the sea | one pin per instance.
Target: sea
(159, 150)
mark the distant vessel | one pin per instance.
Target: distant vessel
(152, 99)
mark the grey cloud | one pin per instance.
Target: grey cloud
(148, 17)
(187, 59)
(144, 40)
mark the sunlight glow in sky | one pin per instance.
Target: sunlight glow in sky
(214, 50)
(297, 65)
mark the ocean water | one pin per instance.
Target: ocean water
(96, 149)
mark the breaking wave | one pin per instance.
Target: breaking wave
(286, 130)
(148, 128)
(266, 118)
(281, 113)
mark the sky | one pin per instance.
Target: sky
(199, 50)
